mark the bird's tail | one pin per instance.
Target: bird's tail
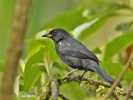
(105, 76)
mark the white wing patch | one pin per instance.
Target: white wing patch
(60, 43)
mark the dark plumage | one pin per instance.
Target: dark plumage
(76, 55)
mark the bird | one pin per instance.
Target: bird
(74, 54)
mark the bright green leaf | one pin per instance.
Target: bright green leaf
(16, 86)
(117, 45)
(32, 43)
(48, 61)
(32, 52)
(77, 31)
(21, 66)
(31, 73)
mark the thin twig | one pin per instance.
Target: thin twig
(120, 76)
(129, 91)
(21, 13)
(63, 97)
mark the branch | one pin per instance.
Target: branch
(89, 80)
(92, 81)
(47, 94)
(21, 12)
(69, 79)
(54, 89)
(120, 76)
(63, 97)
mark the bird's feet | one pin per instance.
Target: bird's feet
(70, 73)
(80, 79)
(81, 76)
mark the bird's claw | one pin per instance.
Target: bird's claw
(68, 74)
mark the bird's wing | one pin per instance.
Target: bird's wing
(79, 51)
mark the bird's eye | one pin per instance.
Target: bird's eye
(55, 31)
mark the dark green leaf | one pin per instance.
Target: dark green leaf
(96, 51)
(68, 20)
(124, 27)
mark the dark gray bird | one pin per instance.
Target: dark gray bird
(76, 55)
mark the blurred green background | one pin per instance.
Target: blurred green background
(42, 11)
(103, 26)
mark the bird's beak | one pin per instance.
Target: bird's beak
(47, 35)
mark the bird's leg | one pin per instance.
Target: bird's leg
(69, 73)
(81, 76)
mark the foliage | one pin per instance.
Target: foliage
(42, 62)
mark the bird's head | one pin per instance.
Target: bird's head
(57, 34)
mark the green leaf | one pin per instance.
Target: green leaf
(68, 20)
(41, 66)
(124, 27)
(49, 57)
(80, 16)
(78, 30)
(21, 66)
(97, 51)
(32, 43)
(95, 26)
(48, 61)
(97, 18)
(52, 53)
(16, 84)
(32, 73)
(118, 44)
(32, 52)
